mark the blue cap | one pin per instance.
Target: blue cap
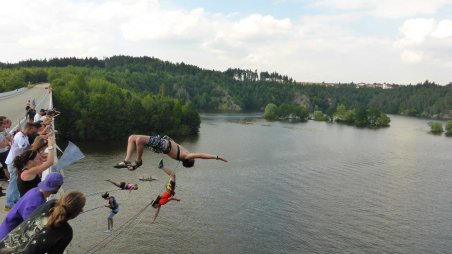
(52, 182)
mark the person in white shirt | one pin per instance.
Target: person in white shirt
(20, 143)
(39, 115)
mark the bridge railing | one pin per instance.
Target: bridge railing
(21, 121)
(12, 93)
(55, 158)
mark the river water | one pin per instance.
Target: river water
(311, 187)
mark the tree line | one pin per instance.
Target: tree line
(230, 90)
(96, 109)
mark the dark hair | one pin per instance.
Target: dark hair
(21, 160)
(188, 163)
(105, 195)
(32, 125)
(3, 119)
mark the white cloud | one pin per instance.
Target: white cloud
(257, 26)
(425, 41)
(443, 30)
(167, 25)
(411, 57)
(60, 28)
(320, 47)
(417, 30)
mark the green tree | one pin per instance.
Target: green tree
(339, 115)
(448, 128)
(383, 120)
(319, 116)
(301, 112)
(270, 112)
(361, 117)
(436, 127)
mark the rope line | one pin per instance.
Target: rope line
(128, 224)
(106, 240)
(174, 171)
(101, 192)
(89, 210)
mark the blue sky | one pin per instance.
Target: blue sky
(393, 41)
(278, 9)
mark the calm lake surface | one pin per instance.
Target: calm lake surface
(311, 187)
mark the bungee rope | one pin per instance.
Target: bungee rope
(96, 247)
(128, 224)
(89, 210)
(101, 192)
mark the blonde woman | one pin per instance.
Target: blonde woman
(47, 230)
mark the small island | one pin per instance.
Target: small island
(360, 117)
(436, 128)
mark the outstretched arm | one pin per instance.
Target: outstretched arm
(157, 210)
(204, 156)
(113, 182)
(173, 198)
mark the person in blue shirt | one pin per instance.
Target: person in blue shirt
(29, 202)
(114, 206)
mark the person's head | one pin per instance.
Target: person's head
(2, 123)
(50, 112)
(41, 126)
(67, 207)
(31, 128)
(28, 158)
(52, 183)
(42, 112)
(188, 163)
(135, 186)
(8, 123)
(39, 144)
(105, 195)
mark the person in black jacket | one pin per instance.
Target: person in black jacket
(47, 230)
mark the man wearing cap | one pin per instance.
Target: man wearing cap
(29, 202)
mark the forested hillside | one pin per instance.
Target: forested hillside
(231, 90)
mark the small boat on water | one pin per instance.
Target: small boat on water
(150, 178)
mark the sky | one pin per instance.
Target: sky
(370, 41)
